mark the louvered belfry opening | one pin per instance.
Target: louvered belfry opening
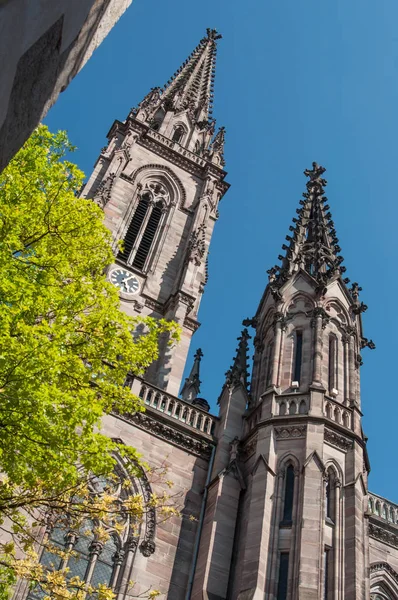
(134, 228)
(141, 232)
(148, 236)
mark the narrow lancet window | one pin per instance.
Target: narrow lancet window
(289, 496)
(178, 134)
(283, 576)
(328, 575)
(298, 354)
(141, 232)
(330, 497)
(148, 237)
(134, 227)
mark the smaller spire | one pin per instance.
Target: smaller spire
(238, 373)
(313, 245)
(217, 147)
(191, 387)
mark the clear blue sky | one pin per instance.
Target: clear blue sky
(296, 81)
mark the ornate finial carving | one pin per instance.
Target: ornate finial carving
(104, 191)
(191, 387)
(238, 373)
(197, 245)
(217, 146)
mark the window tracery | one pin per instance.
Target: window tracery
(145, 225)
(96, 551)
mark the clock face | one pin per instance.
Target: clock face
(125, 282)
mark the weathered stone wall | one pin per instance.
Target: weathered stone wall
(168, 568)
(43, 45)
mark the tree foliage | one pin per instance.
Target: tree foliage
(65, 347)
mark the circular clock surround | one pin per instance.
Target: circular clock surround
(126, 282)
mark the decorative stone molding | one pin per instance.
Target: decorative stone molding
(383, 535)
(191, 324)
(154, 305)
(104, 190)
(147, 548)
(383, 566)
(157, 167)
(250, 447)
(293, 431)
(200, 448)
(337, 440)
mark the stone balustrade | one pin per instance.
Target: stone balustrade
(176, 408)
(295, 404)
(336, 412)
(177, 147)
(382, 508)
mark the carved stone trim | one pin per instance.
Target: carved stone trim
(383, 566)
(337, 440)
(383, 535)
(132, 178)
(148, 545)
(250, 447)
(292, 431)
(154, 305)
(188, 443)
(191, 324)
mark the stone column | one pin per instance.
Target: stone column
(277, 349)
(346, 370)
(95, 551)
(317, 345)
(351, 360)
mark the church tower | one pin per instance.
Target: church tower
(288, 493)
(159, 181)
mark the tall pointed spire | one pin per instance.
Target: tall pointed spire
(189, 93)
(238, 373)
(313, 245)
(191, 387)
(192, 85)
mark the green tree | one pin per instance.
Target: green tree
(65, 350)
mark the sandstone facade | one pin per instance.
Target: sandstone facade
(277, 482)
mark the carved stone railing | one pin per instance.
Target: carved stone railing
(337, 412)
(176, 147)
(293, 404)
(383, 509)
(175, 408)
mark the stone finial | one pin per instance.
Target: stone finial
(217, 146)
(238, 373)
(191, 387)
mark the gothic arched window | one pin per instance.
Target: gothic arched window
(178, 134)
(289, 496)
(95, 551)
(330, 496)
(283, 577)
(144, 226)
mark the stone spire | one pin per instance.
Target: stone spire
(191, 387)
(238, 373)
(191, 86)
(313, 245)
